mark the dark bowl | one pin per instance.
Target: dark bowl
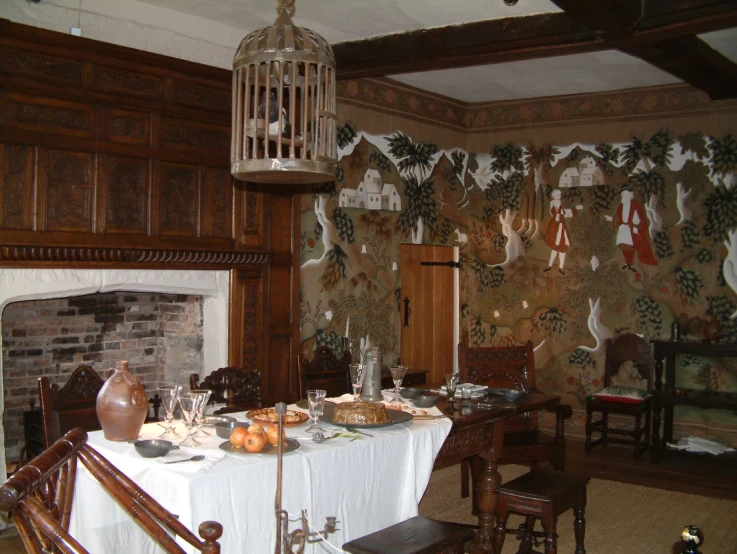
(154, 448)
(224, 429)
(509, 395)
(425, 401)
(412, 393)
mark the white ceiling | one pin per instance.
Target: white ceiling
(344, 20)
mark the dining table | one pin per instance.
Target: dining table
(367, 483)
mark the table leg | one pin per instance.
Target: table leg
(488, 482)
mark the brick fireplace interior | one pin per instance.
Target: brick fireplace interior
(167, 324)
(159, 334)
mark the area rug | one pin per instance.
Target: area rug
(620, 518)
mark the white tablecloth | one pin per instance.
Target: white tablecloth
(368, 484)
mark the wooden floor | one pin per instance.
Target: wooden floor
(715, 477)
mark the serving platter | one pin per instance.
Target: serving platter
(268, 416)
(395, 417)
(292, 444)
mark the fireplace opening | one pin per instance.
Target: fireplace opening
(159, 334)
(166, 323)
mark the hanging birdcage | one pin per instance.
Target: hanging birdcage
(284, 122)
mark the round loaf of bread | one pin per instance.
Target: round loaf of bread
(360, 413)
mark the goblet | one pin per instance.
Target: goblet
(357, 375)
(316, 401)
(398, 372)
(169, 395)
(202, 396)
(451, 383)
(188, 404)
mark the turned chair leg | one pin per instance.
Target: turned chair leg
(525, 546)
(551, 539)
(579, 528)
(637, 435)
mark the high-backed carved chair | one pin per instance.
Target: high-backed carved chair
(72, 405)
(238, 388)
(40, 496)
(512, 367)
(622, 400)
(325, 371)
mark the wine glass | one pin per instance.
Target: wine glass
(202, 396)
(451, 383)
(188, 404)
(169, 395)
(357, 375)
(398, 372)
(316, 401)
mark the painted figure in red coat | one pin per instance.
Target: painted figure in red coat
(632, 236)
(557, 237)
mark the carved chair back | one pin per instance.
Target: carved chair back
(504, 367)
(238, 388)
(325, 371)
(632, 348)
(72, 405)
(40, 496)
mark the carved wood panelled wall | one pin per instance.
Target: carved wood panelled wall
(112, 157)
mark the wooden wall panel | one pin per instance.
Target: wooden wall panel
(16, 187)
(111, 157)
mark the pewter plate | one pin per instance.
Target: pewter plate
(269, 449)
(395, 416)
(211, 420)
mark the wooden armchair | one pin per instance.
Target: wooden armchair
(239, 389)
(325, 371)
(633, 348)
(512, 367)
(40, 495)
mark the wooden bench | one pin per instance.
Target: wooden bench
(543, 495)
(417, 535)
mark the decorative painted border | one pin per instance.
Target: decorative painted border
(389, 96)
(126, 255)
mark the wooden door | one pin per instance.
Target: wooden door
(429, 309)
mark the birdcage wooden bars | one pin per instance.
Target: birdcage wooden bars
(284, 122)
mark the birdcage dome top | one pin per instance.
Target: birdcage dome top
(285, 41)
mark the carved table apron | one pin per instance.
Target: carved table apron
(481, 431)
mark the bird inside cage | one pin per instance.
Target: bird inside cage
(273, 118)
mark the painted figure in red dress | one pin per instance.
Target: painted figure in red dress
(557, 237)
(632, 235)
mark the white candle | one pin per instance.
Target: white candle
(347, 326)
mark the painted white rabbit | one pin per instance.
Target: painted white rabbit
(729, 269)
(462, 237)
(514, 247)
(599, 331)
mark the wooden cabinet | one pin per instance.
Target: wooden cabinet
(117, 158)
(666, 395)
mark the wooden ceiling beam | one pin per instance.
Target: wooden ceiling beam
(619, 24)
(693, 61)
(685, 56)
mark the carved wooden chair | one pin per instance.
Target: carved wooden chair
(512, 367)
(325, 371)
(70, 406)
(239, 389)
(40, 496)
(626, 401)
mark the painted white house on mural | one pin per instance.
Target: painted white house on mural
(587, 174)
(371, 194)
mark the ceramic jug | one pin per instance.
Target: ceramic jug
(121, 405)
(371, 391)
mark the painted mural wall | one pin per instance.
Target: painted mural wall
(562, 244)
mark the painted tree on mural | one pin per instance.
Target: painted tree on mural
(657, 151)
(539, 161)
(415, 158)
